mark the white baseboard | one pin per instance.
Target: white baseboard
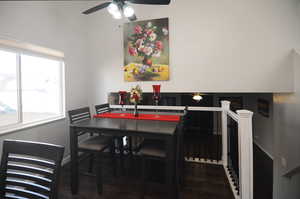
(204, 161)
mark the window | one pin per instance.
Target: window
(8, 88)
(31, 88)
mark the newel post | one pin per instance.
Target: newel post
(245, 153)
(225, 108)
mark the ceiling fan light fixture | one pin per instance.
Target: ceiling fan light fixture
(128, 11)
(117, 15)
(113, 8)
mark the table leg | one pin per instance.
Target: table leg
(170, 168)
(74, 160)
(121, 148)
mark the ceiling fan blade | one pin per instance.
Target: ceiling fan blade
(132, 18)
(96, 8)
(151, 2)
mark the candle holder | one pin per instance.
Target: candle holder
(122, 99)
(156, 94)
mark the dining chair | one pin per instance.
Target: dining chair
(118, 141)
(154, 150)
(30, 170)
(123, 144)
(95, 146)
(102, 108)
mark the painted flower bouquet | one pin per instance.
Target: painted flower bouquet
(147, 42)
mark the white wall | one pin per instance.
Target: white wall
(287, 138)
(56, 25)
(215, 46)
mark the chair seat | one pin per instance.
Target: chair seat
(154, 148)
(98, 143)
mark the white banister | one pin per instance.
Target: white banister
(245, 153)
(233, 115)
(225, 107)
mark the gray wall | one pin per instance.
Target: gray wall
(287, 135)
(287, 138)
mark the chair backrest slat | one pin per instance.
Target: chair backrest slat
(29, 186)
(8, 196)
(30, 160)
(30, 170)
(25, 193)
(102, 108)
(45, 172)
(80, 114)
(29, 177)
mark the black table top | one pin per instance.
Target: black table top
(129, 125)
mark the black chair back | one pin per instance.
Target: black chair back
(102, 108)
(80, 114)
(30, 170)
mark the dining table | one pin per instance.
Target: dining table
(152, 128)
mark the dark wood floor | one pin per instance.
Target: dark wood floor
(202, 181)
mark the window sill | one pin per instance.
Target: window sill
(20, 127)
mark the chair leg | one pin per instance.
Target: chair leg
(99, 175)
(114, 158)
(143, 180)
(121, 149)
(91, 163)
(130, 145)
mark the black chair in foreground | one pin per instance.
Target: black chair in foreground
(95, 146)
(30, 170)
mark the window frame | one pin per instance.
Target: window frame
(19, 125)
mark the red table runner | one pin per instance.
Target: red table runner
(168, 118)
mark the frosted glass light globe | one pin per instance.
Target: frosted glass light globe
(112, 8)
(128, 11)
(117, 15)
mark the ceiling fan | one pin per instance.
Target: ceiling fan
(118, 7)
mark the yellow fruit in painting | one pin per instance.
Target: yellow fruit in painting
(132, 70)
(149, 70)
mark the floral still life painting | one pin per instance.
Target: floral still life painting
(146, 50)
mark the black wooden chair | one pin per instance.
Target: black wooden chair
(117, 140)
(155, 150)
(95, 146)
(30, 170)
(102, 108)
